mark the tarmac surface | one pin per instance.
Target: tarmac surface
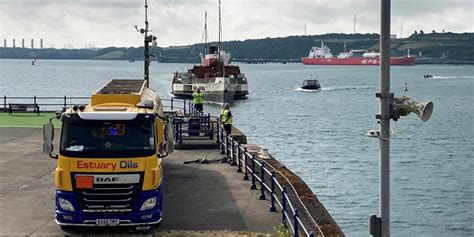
(197, 196)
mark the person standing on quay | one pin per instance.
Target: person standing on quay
(226, 119)
(198, 100)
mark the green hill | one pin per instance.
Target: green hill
(449, 46)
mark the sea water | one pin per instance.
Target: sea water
(321, 136)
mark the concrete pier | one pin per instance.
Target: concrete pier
(200, 199)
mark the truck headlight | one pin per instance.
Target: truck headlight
(148, 204)
(65, 205)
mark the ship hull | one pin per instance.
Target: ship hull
(221, 91)
(401, 61)
(217, 97)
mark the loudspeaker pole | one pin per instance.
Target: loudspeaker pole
(385, 109)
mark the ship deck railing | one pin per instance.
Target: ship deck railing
(257, 172)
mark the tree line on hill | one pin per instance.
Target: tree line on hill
(453, 46)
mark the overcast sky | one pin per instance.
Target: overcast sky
(77, 23)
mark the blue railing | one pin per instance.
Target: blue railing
(256, 171)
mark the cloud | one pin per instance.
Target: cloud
(181, 22)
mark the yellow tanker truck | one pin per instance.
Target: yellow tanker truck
(109, 170)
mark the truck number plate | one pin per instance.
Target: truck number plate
(108, 222)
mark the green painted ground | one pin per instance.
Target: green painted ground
(27, 120)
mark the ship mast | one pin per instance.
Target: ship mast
(205, 34)
(219, 64)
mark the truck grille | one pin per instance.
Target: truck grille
(108, 198)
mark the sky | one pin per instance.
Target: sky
(103, 23)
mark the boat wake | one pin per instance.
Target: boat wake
(306, 90)
(449, 77)
(339, 88)
(346, 88)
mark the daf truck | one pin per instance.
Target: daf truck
(109, 167)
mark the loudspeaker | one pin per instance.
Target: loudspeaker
(405, 106)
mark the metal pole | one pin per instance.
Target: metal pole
(283, 205)
(246, 176)
(295, 223)
(147, 51)
(272, 195)
(385, 104)
(253, 173)
(262, 182)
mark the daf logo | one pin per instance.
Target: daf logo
(117, 179)
(106, 179)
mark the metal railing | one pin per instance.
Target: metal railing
(194, 127)
(53, 102)
(185, 105)
(257, 172)
(58, 102)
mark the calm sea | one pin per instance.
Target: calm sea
(321, 136)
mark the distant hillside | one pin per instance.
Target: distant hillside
(451, 46)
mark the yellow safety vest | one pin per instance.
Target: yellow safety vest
(198, 98)
(225, 118)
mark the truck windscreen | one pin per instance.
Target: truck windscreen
(108, 139)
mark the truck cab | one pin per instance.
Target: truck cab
(109, 170)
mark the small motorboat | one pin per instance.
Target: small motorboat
(426, 76)
(311, 85)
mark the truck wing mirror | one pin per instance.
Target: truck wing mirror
(48, 137)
